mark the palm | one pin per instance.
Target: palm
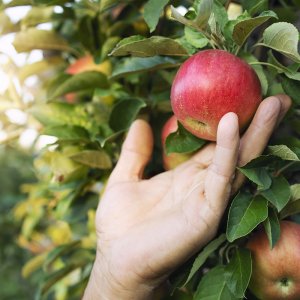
(148, 227)
(170, 208)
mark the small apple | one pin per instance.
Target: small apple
(276, 272)
(85, 64)
(210, 84)
(172, 160)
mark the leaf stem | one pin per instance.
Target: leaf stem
(277, 173)
(265, 64)
(237, 50)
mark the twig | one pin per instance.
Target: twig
(227, 4)
(284, 168)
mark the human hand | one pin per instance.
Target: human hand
(147, 228)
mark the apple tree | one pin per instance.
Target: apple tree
(106, 63)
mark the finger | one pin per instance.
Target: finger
(255, 139)
(220, 172)
(136, 153)
(286, 103)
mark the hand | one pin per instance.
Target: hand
(147, 228)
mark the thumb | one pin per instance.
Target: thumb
(136, 153)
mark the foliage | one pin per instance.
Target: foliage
(142, 44)
(11, 256)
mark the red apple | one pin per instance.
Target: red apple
(172, 160)
(208, 85)
(85, 64)
(276, 272)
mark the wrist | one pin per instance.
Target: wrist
(103, 286)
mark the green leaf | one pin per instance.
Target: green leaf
(14, 3)
(67, 132)
(220, 14)
(262, 161)
(136, 65)
(293, 76)
(293, 207)
(243, 29)
(81, 81)
(272, 227)
(295, 192)
(59, 251)
(93, 158)
(50, 2)
(179, 276)
(213, 286)
(195, 38)
(183, 141)
(155, 45)
(245, 213)
(204, 254)
(291, 88)
(238, 272)
(203, 14)
(279, 192)
(36, 68)
(255, 6)
(38, 15)
(124, 113)
(6, 25)
(282, 37)
(284, 152)
(229, 26)
(260, 176)
(105, 4)
(56, 114)
(56, 276)
(258, 69)
(152, 11)
(32, 38)
(181, 19)
(108, 45)
(274, 61)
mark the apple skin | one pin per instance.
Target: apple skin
(276, 272)
(86, 63)
(172, 160)
(210, 84)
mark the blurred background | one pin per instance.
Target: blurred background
(19, 142)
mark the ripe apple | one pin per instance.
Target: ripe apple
(85, 64)
(208, 85)
(172, 160)
(276, 272)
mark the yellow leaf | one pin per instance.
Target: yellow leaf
(33, 264)
(60, 233)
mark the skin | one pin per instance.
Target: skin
(208, 85)
(172, 160)
(276, 271)
(147, 228)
